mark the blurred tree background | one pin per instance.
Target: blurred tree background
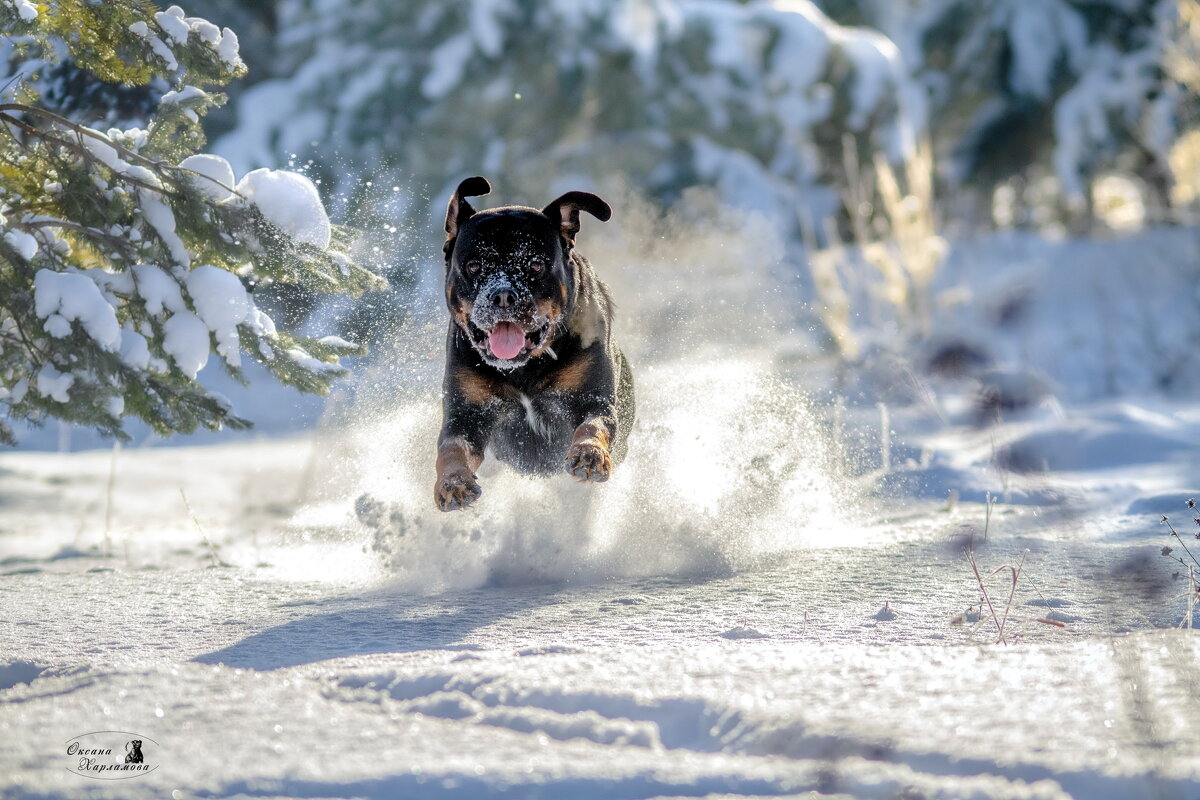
(1059, 115)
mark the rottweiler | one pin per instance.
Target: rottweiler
(532, 370)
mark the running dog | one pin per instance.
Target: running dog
(532, 370)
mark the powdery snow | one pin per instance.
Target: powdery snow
(25, 9)
(215, 178)
(304, 359)
(163, 52)
(135, 350)
(74, 297)
(290, 202)
(162, 219)
(25, 244)
(562, 688)
(172, 23)
(176, 96)
(186, 340)
(57, 326)
(744, 610)
(158, 290)
(54, 384)
(205, 30)
(221, 302)
(227, 48)
(716, 620)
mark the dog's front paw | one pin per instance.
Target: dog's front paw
(588, 461)
(456, 490)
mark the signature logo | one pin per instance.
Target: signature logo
(112, 755)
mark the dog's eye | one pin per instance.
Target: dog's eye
(536, 266)
(473, 266)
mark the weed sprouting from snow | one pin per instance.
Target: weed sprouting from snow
(1192, 565)
(1000, 617)
(109, 485)
(999, 620)
(893, 229)
(212, 548)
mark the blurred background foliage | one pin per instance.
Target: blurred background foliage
(846, 122)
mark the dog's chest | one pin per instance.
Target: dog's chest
(533, 433)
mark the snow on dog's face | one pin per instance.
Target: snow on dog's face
(509, 286)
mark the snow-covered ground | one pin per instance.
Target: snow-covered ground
(755, 605)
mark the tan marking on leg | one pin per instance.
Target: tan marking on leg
(456, 486)
(588, 458)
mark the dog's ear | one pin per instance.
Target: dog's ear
(459, 210)
(564, 212)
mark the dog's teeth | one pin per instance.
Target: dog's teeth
(550, 351)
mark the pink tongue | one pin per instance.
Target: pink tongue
(506, 340)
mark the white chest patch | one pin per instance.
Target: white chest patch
(536, 422)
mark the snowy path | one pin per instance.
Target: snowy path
(304, 670)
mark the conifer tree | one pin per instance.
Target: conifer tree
(394, 102)
(127, 258)
(1024, 88)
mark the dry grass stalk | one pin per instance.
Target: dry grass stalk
(893, 225)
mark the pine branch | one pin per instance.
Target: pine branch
(82, 130)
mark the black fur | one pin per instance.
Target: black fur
(566, 400)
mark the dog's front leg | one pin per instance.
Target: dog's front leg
(457, 485)
(589, 457)
(468, 418)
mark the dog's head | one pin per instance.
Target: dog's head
(509, 284)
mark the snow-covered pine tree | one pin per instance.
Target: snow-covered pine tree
(1028, 88)
(1183, 65)
(127, 257)
(390, 104)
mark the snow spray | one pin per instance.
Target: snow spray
(726, 463)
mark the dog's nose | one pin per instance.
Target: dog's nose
(502, 298)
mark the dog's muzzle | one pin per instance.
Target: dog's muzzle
(505, 327)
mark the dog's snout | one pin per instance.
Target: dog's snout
(503, 298)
